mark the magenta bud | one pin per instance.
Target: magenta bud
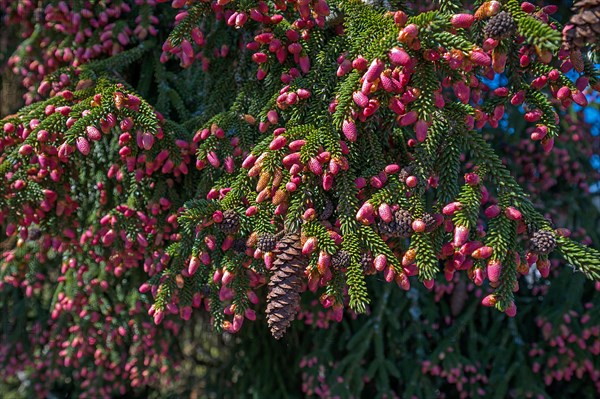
(400, 18)
(205, 258)
(360, 99)
(185, 312)
(399, 57)
(463, 21)
(518, 98)
(25, 149)
(296, 145)
(250, 314)
(563, 93)
(147, 141)
(291, 159)
(374, 70)
(409, 118)
(236, 325)
(380, 262)
(543, 266)
(269, 258)
(303, 94)
(582, 82)
(531, 258)
(385, 213)
(392, 169)
(396, 105)
(309, 214)
(309, 246)
(272, 117)
(158, 317)
(376, 182)
(349, 130)
(227, 277)
(489, 300)
(193, 265)
(291, 186)
(360, 182)
(481, 58)
(492, 211)
(19, 184)
(388, 274)
(461, 235)
(482, 253)
(478, 277)
(278, 143)
(547, 145)
(579, 98)
(315, 166)
(447, 249)
(366, 213)
(470, 246)
(452, 208)
(428, 284)
(411, 181)
(418, 226)
(513, 213)
(323, 262)
(83, 146)
(511, 310)
(327, 181)
(472, 179)
(93, 133)
(421, 128)
(217, 216)
(494, 268)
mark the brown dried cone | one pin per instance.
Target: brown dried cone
(542, 242)
(430, 222)
(327, 211)
(584, 26)
(266, 242)
(500, 26)
(340, 260)
(403, 219)
(231, 222)
(366, 262)
(285, 283)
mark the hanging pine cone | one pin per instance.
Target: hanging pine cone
(584, 26)
(543, 242)
(341, 260)
(266, 242)
(403, 220)
(366, 262)
(388, 229)
(430, 222)
(327, 211)
(500, 26)
(285, 283)
(231, 222)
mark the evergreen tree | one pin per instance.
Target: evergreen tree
(240, 156)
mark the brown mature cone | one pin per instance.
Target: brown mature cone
(285, 283)
(584, 26)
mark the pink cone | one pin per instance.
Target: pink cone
(494, 268)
